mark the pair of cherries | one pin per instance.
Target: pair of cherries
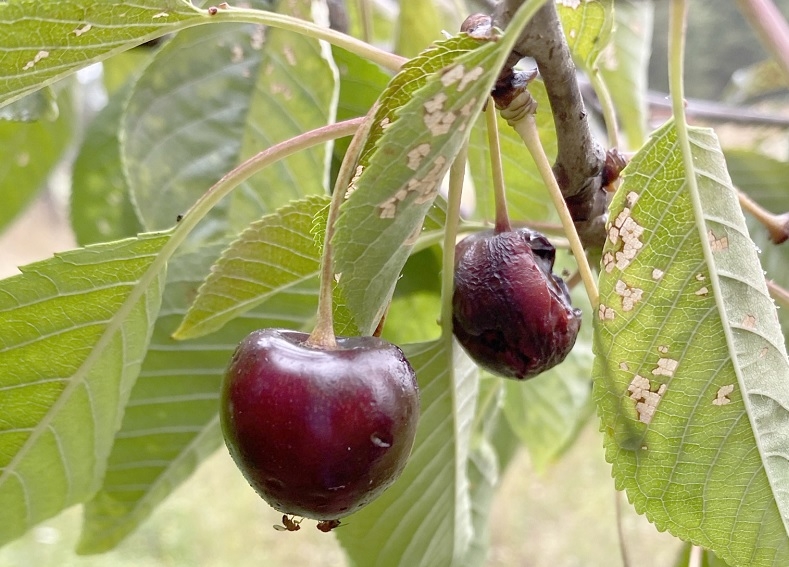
(320, 433)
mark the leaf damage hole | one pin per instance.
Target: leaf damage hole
(630, 295)
(717, 243)
(84, 29)
(646, 400)
(721, 398)
(36, 58)
(665, 367)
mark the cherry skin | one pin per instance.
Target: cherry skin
(319, 433)
(510, 312)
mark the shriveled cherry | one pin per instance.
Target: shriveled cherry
(510, 312)
(318, 432)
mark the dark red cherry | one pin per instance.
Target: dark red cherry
(319, 433)
(510, 312)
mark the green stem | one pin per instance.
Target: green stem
(309, 29)
(366, 16)
(323, 334)
(526, 128)
(456, 174)
(607, 106)
(620, 529)
(499, 192)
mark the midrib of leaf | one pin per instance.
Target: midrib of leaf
(79, 377)
(684, 140)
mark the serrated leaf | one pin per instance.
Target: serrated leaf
(624, 66)
(181, 130)
(417, 131)
(30, 151)
(101, 208)
(277, 252)
(587, 27)
(73, 332)
(41, 42)
(283, 105)
(691, 372)
(547, 412)
(425, 517)
(527, 198)
(171, 423)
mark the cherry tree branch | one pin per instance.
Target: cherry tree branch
(580, 159)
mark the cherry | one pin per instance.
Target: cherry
(319, 432)
(510, 312)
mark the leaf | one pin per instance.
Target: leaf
(708, 559)
(759, 79)
(417, 131)
(275, 253)
(691, 372)
(171, 423)
(624, 66)
(425, 517)
(587, 28)
(73, 332)
(527, 198)
(283, 105)
(101, 208)
(546, 413)
(41, 42)
(30, 151)
(181, 130)
(418, 25)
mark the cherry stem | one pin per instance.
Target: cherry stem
(523, 121)
(322, 335)
(457, 172)
(607, 106)
(780, 294)
(776, 225)
(499, 191)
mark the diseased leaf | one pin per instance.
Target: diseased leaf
(425, 517)
(283, 105)
(275, 253)
(172, 423)
(691, 371)
(41, 42)
(73, 332)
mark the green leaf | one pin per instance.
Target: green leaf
(283, 105)
(527, 198)
(691, 371)
(41, 42)
(30, 151)
(183, 123)
(425, 517)
(624, 66)
(417, 131)
(546, 413)
(101, 208)
(275, 253)
(418, 26)
(708, 558)
(73, 332)
(587, 27)
(171, 423)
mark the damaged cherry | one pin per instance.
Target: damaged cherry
(510, 312)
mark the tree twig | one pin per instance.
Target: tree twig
(771, 28)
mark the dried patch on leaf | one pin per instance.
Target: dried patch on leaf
(609, 263)
(646, 400)
(630, 295)
(718, 243)
(425, 189)
(657, 274)
(702, 291)
(416, 156)
(663, 349)
(666, 367)
(624, 366)
(38, 57)
(84, 29)
(458, 74)
(721, 398)
(631, 198)
(629, 231)
(606, 313)
(749, 322)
